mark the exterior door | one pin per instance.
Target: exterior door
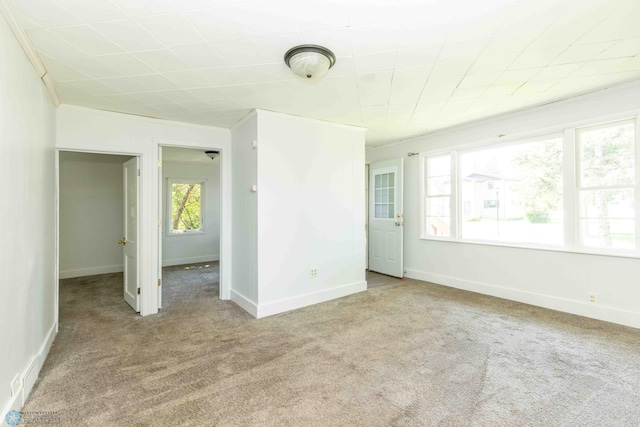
(130, 239)
(386, 217)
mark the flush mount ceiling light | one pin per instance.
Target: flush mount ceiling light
(212, 154)
(309, 61)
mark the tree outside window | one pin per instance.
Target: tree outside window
(186, 206)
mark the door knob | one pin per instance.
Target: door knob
(122, 241)
(398, 224)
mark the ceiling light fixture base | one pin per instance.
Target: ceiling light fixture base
(309, 61)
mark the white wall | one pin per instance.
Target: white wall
(84, 129)
(245, 210)
(184, 248)
(90, 213)
(556, 280)
(310, 210)
(27, 251)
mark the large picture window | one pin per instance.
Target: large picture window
(576, 190)
(513, 193)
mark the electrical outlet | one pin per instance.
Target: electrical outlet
(15, 385)
(592, 297)
(313, 272)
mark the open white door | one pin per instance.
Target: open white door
(130, 239)
(386, 217)
(160, 219)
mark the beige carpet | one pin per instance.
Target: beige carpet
(404, 354)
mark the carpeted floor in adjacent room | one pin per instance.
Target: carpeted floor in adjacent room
(405, 353)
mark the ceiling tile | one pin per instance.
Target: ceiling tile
(91, 67)
(171, 29)
(311, 15)
(94, 87)
(374, 63)
(54, 47)
(535, 58)
(260, 73)
(274, 47)
(487, 63)
(407, 85)
(136, 8)
(218, 24)
(61, 72)
(129, 35)
(162, 60)
(125, 63)
(479, 80)
(452, 68)
(632, 64)
(267, 18)
(338, 40)
(612, 30)
(556, 71)
(45, 13)
(624, 48)
(198, 4)
(511, 42)
(363, 12)
(374, 89)
(135, 84)
(420, 35)
(87, 39)
(375, 38)
(92, 11)
(598, 68)
(240, 52)
(199, 55)
(178, 95)
(583, 52)
(562, 36)
(416, 57)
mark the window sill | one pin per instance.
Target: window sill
(581, 251)
(190, 233)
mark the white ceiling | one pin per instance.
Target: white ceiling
(404, 68)
(191, 155)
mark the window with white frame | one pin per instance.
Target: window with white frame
(437, 200)
(607, 185)
(185, 206)
(523, 202)
(526, 192)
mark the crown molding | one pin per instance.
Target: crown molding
(10, 15)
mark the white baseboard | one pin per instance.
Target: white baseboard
(91, 271)
(189, 260)
(299, 301)
(30, 374)
(244, 303)
(608, 314)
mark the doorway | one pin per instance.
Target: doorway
(385, 221)
(98, 219)
(190, 229)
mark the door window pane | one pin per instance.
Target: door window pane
(384, 196)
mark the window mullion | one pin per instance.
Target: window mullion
(570, 188)
(637, 183)
(454, 215)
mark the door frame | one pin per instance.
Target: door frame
(399, 207)
(57, 218)
(225, 209)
